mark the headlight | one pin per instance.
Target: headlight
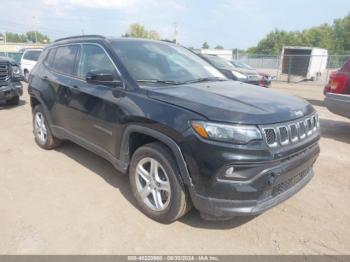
(16, 71)
(238, 134)
(239, 75)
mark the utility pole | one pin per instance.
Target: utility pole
(5, 40)
(82, 32)
(36, 37)
(175, 32)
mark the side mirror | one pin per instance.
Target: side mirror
(103, 78)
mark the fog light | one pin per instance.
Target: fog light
(229, 171)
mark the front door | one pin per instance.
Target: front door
(97, 105)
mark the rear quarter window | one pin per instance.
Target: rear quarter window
(64, 59)
(50, 57)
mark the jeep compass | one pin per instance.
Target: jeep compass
(186, 135)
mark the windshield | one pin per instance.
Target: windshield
(32, 55)
(219, 62)
(157, 62)
(240, 64)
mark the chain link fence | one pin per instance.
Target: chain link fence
(313, 69)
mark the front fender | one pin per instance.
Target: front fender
(175, 149)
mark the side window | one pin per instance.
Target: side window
(93, 58)
(64, 60)
(32, 55)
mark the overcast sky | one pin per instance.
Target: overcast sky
(231, 23)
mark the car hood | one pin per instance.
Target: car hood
(234, 102)
(4, 59)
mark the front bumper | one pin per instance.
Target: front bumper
(338, 104)
(10, 90)
(277, 182)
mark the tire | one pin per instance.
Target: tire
(41, 129)
(14, 101)
(26, 76)
(176, 203)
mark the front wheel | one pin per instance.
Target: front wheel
(156, 185)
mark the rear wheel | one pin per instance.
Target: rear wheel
(156, 185)
(13, 101)
(42, 132)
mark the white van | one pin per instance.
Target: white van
(28, 60)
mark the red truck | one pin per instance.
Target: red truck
(337, 91)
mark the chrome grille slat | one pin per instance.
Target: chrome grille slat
(291, 132)
(270, 135)
(4, 72)
(284, 136)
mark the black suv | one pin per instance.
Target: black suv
(184, 133)
(10, 81)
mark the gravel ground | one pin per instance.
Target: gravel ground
(70, 201)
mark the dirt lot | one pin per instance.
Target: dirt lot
(68, 201)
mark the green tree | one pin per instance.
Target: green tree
(27, 37)
(335, 38)
(205, 45)
(219, 47)
(15, 38)
(139, 31)
(152, 34)
(35, 36)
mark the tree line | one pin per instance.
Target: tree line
(28, 37)
(334, 37)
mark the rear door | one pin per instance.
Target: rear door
(62, 62)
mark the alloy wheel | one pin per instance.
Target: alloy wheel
(152, 183)
(40, 129)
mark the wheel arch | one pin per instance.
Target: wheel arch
(37, 100)
(127, 149)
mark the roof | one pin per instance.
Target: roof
(73, 39)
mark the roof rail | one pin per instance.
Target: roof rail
(79, 36)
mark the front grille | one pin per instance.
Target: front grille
(292, 132)
(4, 71)
(288, 183)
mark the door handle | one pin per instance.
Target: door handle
(45, 78)
(75, 89)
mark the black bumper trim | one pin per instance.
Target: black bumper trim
(230, 208)
(11, 90)
(338, 104)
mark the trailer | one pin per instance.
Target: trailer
(304, 63)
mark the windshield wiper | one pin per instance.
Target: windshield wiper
(205, 79)
(159, 81)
